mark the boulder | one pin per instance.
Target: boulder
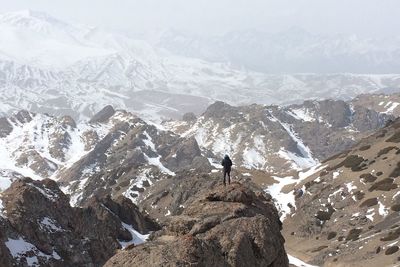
(227, 226)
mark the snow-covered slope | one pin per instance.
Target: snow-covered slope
(113, 152)
(38, 145)
(47, 65)
(277, 139)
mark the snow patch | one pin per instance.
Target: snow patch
(382, 210)
(350, 187)
(311, 171)
(370, 214)
(282, 199)
(19, 248)
(49, 225)
(46, 192)
(149, 141)
(298, 263)
(137, 238)
(302, 114)
(336, 174)
(303, 161)
(390, 107)
(156, 162)
(253, 159)
(5, 183)
(143, 176)
(2, 214)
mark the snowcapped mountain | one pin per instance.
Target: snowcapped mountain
(50, 66)
(276, 139)
(102, 155)
(113, 152)
(291, 51)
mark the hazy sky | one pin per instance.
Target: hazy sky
(363, 17)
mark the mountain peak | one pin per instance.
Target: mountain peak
(29, 21)
(29, 18)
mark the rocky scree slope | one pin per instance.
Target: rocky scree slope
(217, 226)
(38, 227)
(113, 153)
(348, 211)
(279, 139)
(383, 103)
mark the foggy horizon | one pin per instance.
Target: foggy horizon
(193, 53)
(208, 18)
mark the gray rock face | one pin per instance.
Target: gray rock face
(23, 116)
(5, 127)
(231, 226)
(190, 116)
(103, 115)
(38, 215)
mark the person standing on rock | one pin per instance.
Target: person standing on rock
(227, 164)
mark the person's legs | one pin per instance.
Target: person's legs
(224, 177)
(229, 177)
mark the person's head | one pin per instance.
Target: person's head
(226, 156)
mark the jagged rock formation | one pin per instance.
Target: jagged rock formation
(39, 227)
(130, 158)
(347, 213)
(217, 226)
(116, 153)
(280, 139)
(103, 115)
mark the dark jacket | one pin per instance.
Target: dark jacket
(227, 164)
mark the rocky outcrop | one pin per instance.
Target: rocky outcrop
(103, 115)
(217, 226)
(5, 127)
(190, 116)
(39, 226)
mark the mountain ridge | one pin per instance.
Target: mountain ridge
(93, 68)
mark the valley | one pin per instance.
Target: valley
(111, 144)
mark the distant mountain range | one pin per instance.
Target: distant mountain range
(50, 66)
(291, 51)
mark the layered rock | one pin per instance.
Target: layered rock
(216, 226)
(38, 226)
